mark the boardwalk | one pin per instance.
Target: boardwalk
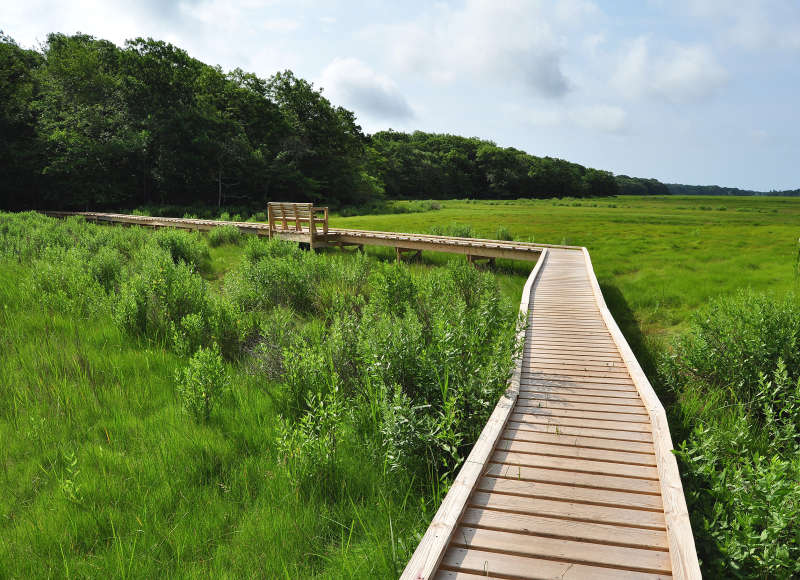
(573, 476)
(473, 248)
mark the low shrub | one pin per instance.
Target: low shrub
(106, 266)
(188, 247)
(64, 277)
(734, 341)
(736, 376)
(202, 382)
(224, 235)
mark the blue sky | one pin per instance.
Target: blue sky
(689, 91)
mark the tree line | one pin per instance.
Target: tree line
(86, 124)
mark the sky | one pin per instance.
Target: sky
(686, 91)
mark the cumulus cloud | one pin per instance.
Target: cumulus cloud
(350, 82)
(679, 74)
(515, 40)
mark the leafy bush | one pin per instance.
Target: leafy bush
(157, 293)
(188, 247)
(736, 375)
(106, 267)
(63, 276)
(392, 287)
(309, 446)
(733, 341)
(202, 382)
(224, 235)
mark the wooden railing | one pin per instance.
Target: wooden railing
(281, 214)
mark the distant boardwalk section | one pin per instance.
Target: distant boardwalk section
(303, 223)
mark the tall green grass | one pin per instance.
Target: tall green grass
(318, 442)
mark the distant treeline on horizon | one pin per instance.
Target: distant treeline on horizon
(85, 124)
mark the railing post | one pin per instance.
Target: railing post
(325, 223)
(270, 219)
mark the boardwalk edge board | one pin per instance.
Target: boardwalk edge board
(431, 549)
(679, 531)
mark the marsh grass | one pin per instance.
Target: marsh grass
(304, 466)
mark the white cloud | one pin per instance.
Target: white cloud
(751, 24)
(690, 73)
(598, 118)
(350, 82)
(601, 118)
(280, 24)
(679, 74)
(513, 41)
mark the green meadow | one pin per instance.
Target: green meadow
(188, 405)
(666, 256)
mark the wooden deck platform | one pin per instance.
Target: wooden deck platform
(573, 476)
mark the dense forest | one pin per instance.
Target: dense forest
(88, 124)
(85, 124)
(681, 189)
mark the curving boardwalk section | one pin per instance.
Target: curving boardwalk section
(573, 477)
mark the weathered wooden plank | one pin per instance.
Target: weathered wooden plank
(587, 553)
(549, 427)
(602, 400)
(567, 529)
(585, 423)
(622, 516)
(573, 451)
(574, 478)
(577, 441)
(572, 464)
(577, 414)
(497, 565)
(572, 494)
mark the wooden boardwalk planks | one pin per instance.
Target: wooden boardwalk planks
(578, 480)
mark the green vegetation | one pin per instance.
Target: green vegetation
(706, 296)
(736, 379)
(90, 125)
(256, 410)
(314, 406)
(658, 259)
